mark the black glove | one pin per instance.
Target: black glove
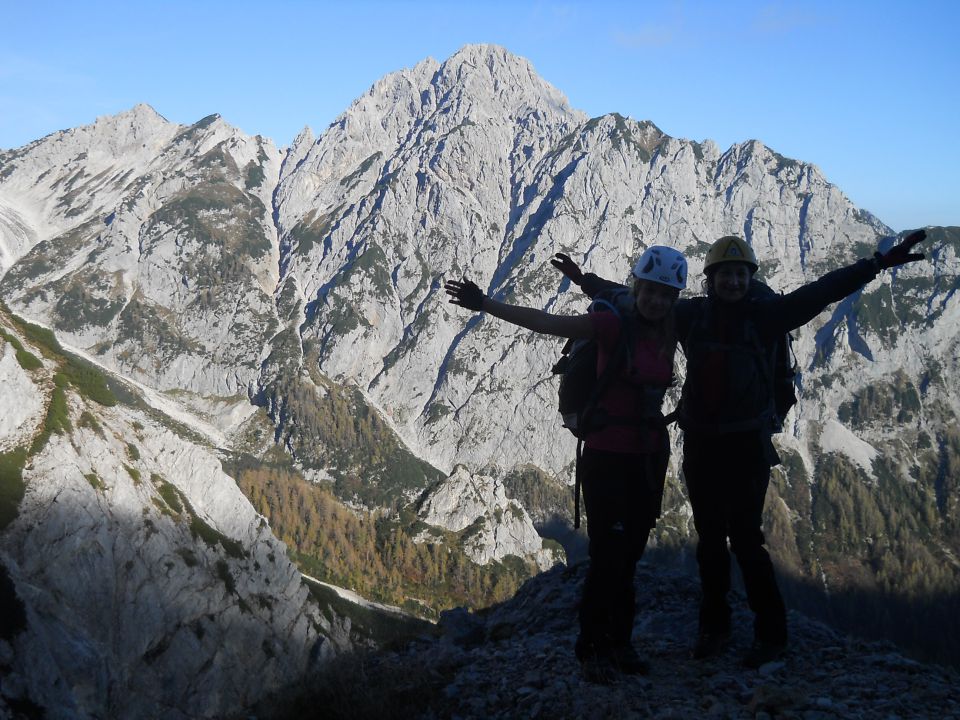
(900, 253)
(465, 294)
(568, 267)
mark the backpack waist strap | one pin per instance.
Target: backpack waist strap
(763, 421)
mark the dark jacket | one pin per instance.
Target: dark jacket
(729, 346)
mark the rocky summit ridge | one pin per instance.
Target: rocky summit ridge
(516, 660)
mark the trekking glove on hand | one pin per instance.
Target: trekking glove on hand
(465, 294)
(900, 253)
(568, 267)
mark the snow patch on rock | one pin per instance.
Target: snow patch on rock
(836, 438)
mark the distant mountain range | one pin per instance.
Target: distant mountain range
(278, 313)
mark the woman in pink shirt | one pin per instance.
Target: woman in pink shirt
(625, 448)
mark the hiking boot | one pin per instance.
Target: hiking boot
(628, 661)
(598, 669)
(710, 644)
(763, 652)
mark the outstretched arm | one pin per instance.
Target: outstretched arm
(467, 294)
(805, 303)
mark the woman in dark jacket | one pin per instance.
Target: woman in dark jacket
(728, 416)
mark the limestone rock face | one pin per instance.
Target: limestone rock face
(149, 244)
(496, 526)
(147, 584)
(424, 175)
(200, 261)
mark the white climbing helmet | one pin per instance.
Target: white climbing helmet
(663, 265)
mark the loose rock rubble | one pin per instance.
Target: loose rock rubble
(516, 660)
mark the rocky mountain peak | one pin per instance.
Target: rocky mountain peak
(484, 113)
(490, 74)
(140, 115)
(133, 131)
(482, 78)
(67, 178)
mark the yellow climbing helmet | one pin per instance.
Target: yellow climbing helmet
(730, 248)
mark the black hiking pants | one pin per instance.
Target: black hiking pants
(727, 477)
(622, 503)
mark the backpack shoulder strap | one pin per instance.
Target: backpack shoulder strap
(621, 354)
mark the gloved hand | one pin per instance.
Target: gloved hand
(900, 253)
(465, 294)
(568, 267)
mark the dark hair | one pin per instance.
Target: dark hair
(706, 285)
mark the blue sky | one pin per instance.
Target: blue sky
(868, 91)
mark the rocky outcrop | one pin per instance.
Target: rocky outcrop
(144, 582)
(517, 660)
(496, 527)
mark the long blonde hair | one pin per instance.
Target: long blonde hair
(663, 332)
